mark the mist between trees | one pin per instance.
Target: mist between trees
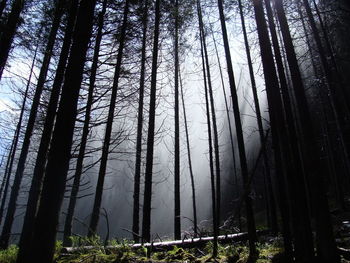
(174, 119)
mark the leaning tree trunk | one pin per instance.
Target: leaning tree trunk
(239, 132)
(6, 231)
(146, 221)
(286, 142)
(44, 234)
(11, 157)
(86, 129)
(272, 216)
(193, 187)
(106, 143)
(326, 248)
(234, 172)
(136, 206)
(213, 116)
(8, 34)
(40, 164)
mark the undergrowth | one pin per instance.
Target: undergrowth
(122, 252)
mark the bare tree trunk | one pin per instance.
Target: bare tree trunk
(207, 81)
(146, 221)
(6, 231)
(136, 207)
(105, 149)
(213, 116)
(234, 172)
(194, 206)
(10, 28)
(40, 164)
(177, 209)
(86, 129)
(272, 216)
(326, 248)
(239, 132)
(44, 234)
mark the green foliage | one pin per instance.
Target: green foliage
(9, 255)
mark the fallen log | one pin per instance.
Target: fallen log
(185, 243)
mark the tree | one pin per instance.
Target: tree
(146, 221)
(6, 231)
(86, 128)
(136, 205)
(9, 31)
(40, 164)
(44, 234)
(105, 149)
(239, 132)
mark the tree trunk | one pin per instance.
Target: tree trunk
(9, 31)
(194, 206)
(44, 234)
(272, 216)
(86, 128)
(234, 172)
(105, 149)
(6, 231)
(136, 207)
(326, 248)
(40, 164)
(239, 132)
(207, 80)
(146, 221)
(2, 7)
(177, 209)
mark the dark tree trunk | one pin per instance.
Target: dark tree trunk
(177, 207)
(8, 32)
(86, 128)
(272, 216)
(194, 206)
(213, 116)
(288, 144)
(239, 132)
(6, 231)
(326, 248)
(44, 234)
(136, 207)
(339, 96)
(146, 221)
(234, 172)
(207, 81)
(105, 149)
(40, 164)
(2, 7)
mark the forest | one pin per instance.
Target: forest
(174, 131)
